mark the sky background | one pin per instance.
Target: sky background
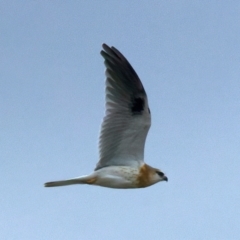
(187, 54)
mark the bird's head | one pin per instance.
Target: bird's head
(149, 176)
(160, 176)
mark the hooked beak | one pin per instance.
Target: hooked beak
(165, 178)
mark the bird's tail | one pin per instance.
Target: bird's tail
(79, 180)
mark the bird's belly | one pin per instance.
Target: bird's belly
(117, 177)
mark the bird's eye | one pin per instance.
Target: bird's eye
(161, 174)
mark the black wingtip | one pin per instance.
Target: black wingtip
(105, 47)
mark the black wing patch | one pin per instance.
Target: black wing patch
(137, 105)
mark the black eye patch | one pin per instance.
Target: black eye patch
(161, 174)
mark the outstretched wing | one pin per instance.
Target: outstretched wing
(127, 120)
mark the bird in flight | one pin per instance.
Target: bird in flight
(123, 131)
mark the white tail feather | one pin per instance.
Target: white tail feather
(80, 180)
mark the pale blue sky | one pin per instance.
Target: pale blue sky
(187, 54)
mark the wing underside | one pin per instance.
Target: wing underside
(127, 118)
